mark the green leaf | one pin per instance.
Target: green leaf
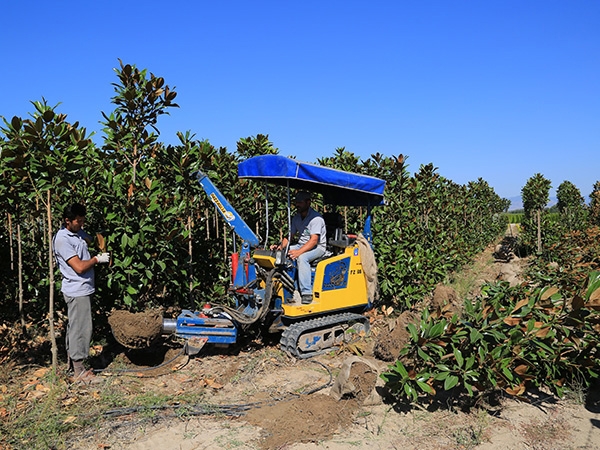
(459, 357)
(475, 336)
(470, 362)
(424, 356)
(468, 388)
(425, 387)
(413, 332)
(127, 261)
(451, 381)
(399, 367)
(530, 325)
(440, 376)
(437, 330)
(508, 373)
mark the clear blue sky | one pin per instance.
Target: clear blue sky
(498, 89)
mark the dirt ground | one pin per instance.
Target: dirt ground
(256, 397)
(262, 399)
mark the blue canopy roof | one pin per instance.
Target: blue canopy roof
(338, 187)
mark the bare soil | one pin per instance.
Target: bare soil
(254, 396)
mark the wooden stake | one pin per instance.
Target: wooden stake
(20, 276)
(190, 274)
(51, 282)
(10, 241)
(207, 224)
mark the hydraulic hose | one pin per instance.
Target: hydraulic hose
(245, 319)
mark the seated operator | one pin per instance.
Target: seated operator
(308, 229)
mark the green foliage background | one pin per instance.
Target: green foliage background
(169, 247)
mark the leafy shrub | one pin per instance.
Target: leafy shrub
(509, 338)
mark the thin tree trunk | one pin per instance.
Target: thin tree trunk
(345, 220)
(190, 260)
(33, 229)
(206, 215)
(51, 282)
(225, 241)
(216, 221)
(20, 268)
(539, 231)
(10, 242)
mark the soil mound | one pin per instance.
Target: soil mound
(388, 345)
(136, 330)
(363, 378)
(445, 299)
(311, 418)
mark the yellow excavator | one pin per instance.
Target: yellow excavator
(263, 281)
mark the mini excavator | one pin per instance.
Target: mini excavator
(263, 281)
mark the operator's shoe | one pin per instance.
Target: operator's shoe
(307, 299)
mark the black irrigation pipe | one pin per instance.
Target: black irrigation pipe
(228, 410)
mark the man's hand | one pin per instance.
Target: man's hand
(293, 254)
(103, 258)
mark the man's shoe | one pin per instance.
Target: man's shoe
(86, 377)
(307, 299)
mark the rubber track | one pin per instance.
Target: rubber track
(291, 335)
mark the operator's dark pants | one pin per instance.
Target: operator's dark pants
(79, 327)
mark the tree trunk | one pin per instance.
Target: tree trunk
(51, 283)
(20, 268)
(539, 231)
(225, 241)
(190, 255)
(10, 242)
(206, 215)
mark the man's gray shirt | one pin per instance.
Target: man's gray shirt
(66, 246)
(313, 223)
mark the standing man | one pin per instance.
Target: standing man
(77, 269)
(308, 229)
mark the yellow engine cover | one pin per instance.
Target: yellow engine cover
(339, 284)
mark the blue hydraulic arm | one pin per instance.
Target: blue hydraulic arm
(242, 272)
(230, 215)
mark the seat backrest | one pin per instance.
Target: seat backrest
(334, 223)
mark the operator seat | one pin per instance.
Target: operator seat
(337, 240)
(334, 224)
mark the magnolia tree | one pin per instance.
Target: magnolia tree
(595, 205)
(45, 163)
(571, 206)
(536, 195)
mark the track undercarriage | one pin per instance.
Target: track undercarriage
(313, 337)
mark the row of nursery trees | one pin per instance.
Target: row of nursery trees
(543, 333)
(169, 246)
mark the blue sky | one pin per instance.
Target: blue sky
(498, 89)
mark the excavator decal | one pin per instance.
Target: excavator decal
(336, 275)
